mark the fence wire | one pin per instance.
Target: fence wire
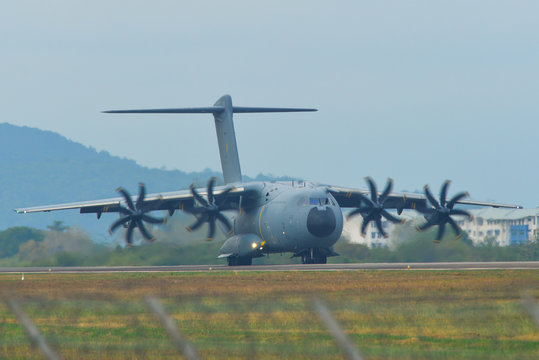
(190, 327)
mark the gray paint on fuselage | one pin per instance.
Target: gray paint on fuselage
(279, 216)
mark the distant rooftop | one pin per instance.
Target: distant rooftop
(507, 214)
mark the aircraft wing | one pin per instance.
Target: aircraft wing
(170, 201)
(351, 198)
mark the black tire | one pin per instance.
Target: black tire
(232, 261)
(245, 261)
(322, 259)
(306, 259)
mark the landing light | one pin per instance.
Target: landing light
(254, 245)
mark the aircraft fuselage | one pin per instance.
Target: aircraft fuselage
(290, 217)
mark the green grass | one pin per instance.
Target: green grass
(227, 315)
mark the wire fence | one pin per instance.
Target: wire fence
(298, 326)
(192, 327)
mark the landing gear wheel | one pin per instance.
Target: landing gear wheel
(306, 259)
(245, 261)
(239, 261)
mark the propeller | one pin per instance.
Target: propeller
(441, 212)
(209, 210)
(374, 209)
(135, 215)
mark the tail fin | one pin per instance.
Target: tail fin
(222, 112)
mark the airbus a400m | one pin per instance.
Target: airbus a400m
(259, 218)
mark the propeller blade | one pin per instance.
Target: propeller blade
(443, 192)
(118, 223)
(129, 233)
(366, 200)
(425, 226)
(454, 225)
(224, 196)
(197, 196)
(125, 211)
(198, 223)
(390, 217)
(127, 198)
(153, 220)
(380, 227)
(456, 198)
(224, 221)
(387, 190)
(144, 231)
(431, 198)
(141, 195)
(460, 212)
(209, 210)
(354, 212)
(211, 231)
(372, 186)
(210, 190)
(441, 231)
(366, 222)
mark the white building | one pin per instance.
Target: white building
(505, 226)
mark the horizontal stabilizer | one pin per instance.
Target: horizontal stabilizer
(208, 110)
(243, 109)
(222, 112)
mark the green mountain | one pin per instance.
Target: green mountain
(42, 167)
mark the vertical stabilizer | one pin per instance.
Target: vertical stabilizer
(222, 112)
(226, 138)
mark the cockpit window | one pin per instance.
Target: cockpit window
(319, 201)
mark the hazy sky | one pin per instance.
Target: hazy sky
(420, 91)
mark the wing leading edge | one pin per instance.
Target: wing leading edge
(169, 201)
(351, 198)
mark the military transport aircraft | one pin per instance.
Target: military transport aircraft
(259, 218)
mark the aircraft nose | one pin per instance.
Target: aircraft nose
(321, 223)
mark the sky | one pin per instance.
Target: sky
(419, 91)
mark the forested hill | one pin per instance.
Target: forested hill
(41, 167)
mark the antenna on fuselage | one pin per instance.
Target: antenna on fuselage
(222, 112)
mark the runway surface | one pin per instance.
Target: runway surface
(291, 267)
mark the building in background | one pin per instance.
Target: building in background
(504, 226)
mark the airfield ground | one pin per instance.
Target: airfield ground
(268, 315)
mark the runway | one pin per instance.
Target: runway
(291, 267)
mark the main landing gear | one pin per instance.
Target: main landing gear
(313, 257)
(239, 261)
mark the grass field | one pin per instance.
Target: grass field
(268, 315)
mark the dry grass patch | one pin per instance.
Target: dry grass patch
(227, 315)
